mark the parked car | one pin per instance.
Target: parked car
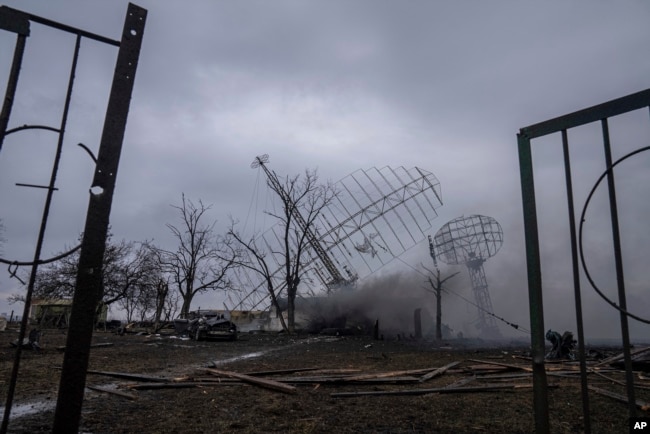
(207, 324)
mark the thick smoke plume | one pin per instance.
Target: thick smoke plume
(390, 300)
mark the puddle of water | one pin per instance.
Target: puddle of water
(238, 358)
(261, 353)
(29, 408)
(35, 407)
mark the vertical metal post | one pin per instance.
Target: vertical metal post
(576, 284)
(18, 23)
(536, 305)
(620, 279)
(89, 288)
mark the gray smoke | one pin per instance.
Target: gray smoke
(391, 300)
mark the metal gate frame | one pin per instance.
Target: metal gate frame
(598, 113)
(88, 288)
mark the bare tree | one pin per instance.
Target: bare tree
(152, 300)
(436, 283)
(128, 268)
(254, 259)
(302, 200)
(198, 264)
(165, 303)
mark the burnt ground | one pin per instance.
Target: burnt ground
(229, 406)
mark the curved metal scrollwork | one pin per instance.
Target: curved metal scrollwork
(580, 246)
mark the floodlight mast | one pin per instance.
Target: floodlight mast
(337, 278)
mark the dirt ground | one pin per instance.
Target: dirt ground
(214, 404)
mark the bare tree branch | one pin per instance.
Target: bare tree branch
(302, 200)
(198, 264)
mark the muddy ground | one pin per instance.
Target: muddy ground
(227, 406)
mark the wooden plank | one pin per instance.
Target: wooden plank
(460, 383)
(519, 367)
(438, 371)
(386, 374)
(281, 371)
(474, 389)
(505, 376)
(342, 371)
(126, 376)
(186, 385)
(262, 382)
(344, 380)
(621, 355)
(486, 367)
(613, 380)
(101, 345)
(640, 404)
(113, 392)
(310, 370)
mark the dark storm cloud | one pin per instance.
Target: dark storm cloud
(334, 85)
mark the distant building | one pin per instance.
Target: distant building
(56, 313)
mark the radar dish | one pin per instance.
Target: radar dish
(470, 241)
(465, 238)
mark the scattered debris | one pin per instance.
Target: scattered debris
(113, 392)
(269, 384)
(641, 404)
(31, 342)
(207, 324)
(491, 376)
(126, 376)
(563, 345)
(437, 372)
(100, 345)
(487, 388)
(504, 365)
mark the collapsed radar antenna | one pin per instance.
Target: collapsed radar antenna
(376, 215)
(471, 241)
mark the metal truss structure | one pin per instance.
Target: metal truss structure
(470, 241)
(377, 216)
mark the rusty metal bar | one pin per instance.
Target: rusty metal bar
(536, 305)
(620, 277)
(88, 290)
(584, 386)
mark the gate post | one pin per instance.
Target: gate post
(88, 290)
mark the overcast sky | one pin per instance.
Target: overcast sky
(337, 86)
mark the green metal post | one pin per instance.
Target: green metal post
(536, 306)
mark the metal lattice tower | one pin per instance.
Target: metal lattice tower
(378, 215)
(470, 241)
